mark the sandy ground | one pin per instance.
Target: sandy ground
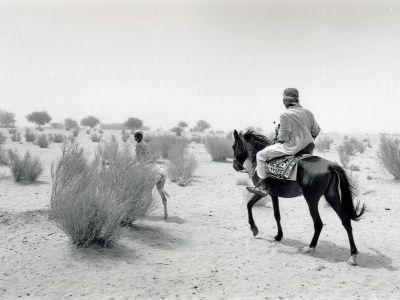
(205, 250)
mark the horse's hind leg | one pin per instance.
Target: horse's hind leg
(277, 215)
(250, 204)
(160, 187)
(333, 197)
(312, 202)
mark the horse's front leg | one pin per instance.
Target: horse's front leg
(277, 215)
(160, 187)
(250, 204)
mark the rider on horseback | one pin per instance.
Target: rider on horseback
(297, 130)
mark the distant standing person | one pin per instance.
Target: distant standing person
(142, 148)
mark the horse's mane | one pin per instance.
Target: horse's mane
(260, 141)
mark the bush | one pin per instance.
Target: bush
(195, 139)
(29, 135)
(389, 155)
(3, 138)
(3, 157)
(101, 131)
(324, 144)
(95, 138)
(16, 136)
(181, 164)
(161, 145)
(87, 131)
(125, 136)
(90, 200)
(344, 155)
(219, 148)
(42, 141)
(24, 168)
(358, 146)
(58, 138)
(75, 132)
(11, 131)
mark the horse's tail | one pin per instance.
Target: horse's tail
(346, 190)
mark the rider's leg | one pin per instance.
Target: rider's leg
(261, 160)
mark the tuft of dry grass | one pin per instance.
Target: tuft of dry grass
(3, 138)
(91, 199)
(219, 148)
(389, 155)
(161, 145)
(344, 156)
(24, 168)
(181, 165)
(58, 138)
(323, 144)
(15, 136)
(95, 138)
(3, 157)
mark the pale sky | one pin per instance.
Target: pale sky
(227, 62)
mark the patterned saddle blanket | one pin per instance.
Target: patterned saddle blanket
(284, 167)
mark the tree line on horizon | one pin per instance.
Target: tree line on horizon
(42, 118)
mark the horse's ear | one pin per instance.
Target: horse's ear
(235, 134)
(247, 137)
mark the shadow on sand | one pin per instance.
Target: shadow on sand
(171, 219)
(153, 236)
(338, 254)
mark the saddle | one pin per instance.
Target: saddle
(285, 167)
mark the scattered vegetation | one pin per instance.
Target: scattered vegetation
(7, 119)
(24, 168)
(3, 138)
(389, 155)
(42, 141)
(358, 146)
(58, 138)
(90, 200)
(161, 145)
(134, 124)
(344, 155)
(202, 126)
(75, 132)
(181, 164)
(29, 135)
(70, 124)
(323, 144)
(15, 136)
(219, 148)
(3, 157)
(96, 138)
(125, 136)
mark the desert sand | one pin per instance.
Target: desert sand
(205, 250)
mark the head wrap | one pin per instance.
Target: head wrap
(291, 94)
(138, 132)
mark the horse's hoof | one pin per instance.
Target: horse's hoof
(278, 237)
(254, 230)
(308, 250)
(352, 260)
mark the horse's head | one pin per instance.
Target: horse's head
(246, 146)
(239, 152)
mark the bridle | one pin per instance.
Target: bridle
(244, 169)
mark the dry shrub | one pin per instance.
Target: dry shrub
(161, 145)
(389, 155)
(323, 144)
(58, 138)
(15, 136)
(181, 165)
(95, 138)
(75, 132)
(3, 157)
(358, 146)
(219, 148)
(344, 155)
(42, 141)
(29, 135)
(12, 131)
(3, 138)
(24, 168)
(90, 199)
(125, 136)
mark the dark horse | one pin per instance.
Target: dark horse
(315, 177)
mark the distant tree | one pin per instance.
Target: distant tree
(183, 124)
(7, 119)
(202, 125)
(134, 123)
(56, 125)
(39, 118)
(177, 130)
(70, 124)
(90, 121)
